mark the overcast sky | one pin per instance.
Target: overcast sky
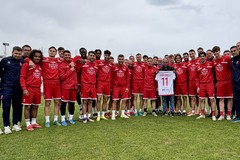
(152, 27)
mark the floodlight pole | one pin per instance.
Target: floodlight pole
(5, 49)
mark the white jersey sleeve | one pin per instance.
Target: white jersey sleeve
(165, 82)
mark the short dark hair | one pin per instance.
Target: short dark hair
(215, 49)
(155, 57)
(17, 48)
(233, 47)
(60, 48)
(226, 51)
(111, 57)
(177, 55)
(150, 57)
(209, 50)
(200, 48)
(202, 53)
(52, 47)
(191, 50)
(91, 52)
(66, 51)
(98, 50)
(120, 55)
(80, 50)
(33, 52)
(186, 53)
(107, 52)
(26, 45)
(138, 54)
(145, 56)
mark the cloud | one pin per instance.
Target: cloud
(163, 2)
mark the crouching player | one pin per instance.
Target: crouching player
(68, 79)
(30, 80)
(150, 87)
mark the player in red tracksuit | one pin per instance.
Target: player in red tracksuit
(68, 80)
(120, 85)
(30, 80)
(137, 85)
(205, 84)
(192, 87)
(51, 87)
(129, 63)
(88, 85)
(181, 88)
(223, 70)
(150, 86)
(103, 84)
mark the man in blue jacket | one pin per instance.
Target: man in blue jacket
(236, 82)
(10, 88)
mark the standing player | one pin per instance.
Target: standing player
(223, 70)
(10, 88)
(30, 80)
(120, 86)
(205, 85)
(103, 84)
(88, 85)
(129, 63)
(150, 87)
(60, 53)
(137, 86)
(181, 89)
(192, 87)
(186, 57)
(51, 85)
(68, 79)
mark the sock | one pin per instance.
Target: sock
(113, 113)
(55, 118)
(89, 115)
(179, 111)
(193, 111)
(84, 116)
(128, 111)
(203, 112)
(103, 113)
(63, 118)
(229, 113)
(140, 110)
(34, 120)
(184, 111)
(135, 110)
(213, 113)
(70, 117)
(221, 113)
(123, 112)
(154, 110)
(27, 122)
(47, 118)
(98, 114)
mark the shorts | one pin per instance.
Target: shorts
(69, 95)
(103, 88)
(192, 88)
(206, 90)
(119, 93)
(137, 87)
(52, 90)
(224, 89)
(181, 89)
(150, 94)
(88, 91)
(34, 96)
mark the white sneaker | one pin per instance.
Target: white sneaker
(221, 118)
(154, 114)
(1, 132)
(144, 114)
(113, 117)
(214, 118)
(229, 118)
(16, 128)
(201, 117)
(124, 116)
(7, 130)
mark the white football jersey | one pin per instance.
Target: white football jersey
(165, 82)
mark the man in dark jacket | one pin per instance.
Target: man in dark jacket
(236, 82)
(10, 88)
